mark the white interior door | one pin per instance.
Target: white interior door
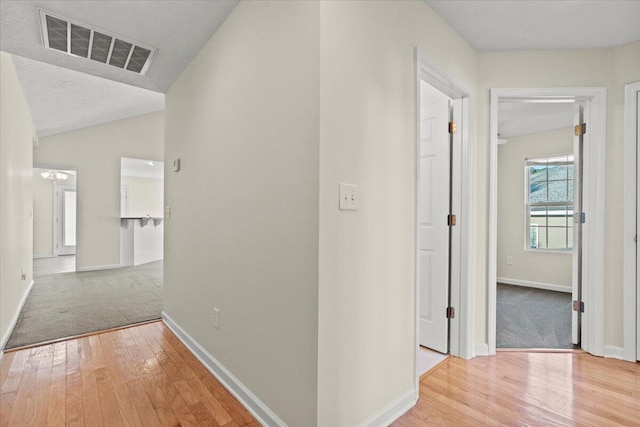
(433, 230)
(576, 276)
(64, 219)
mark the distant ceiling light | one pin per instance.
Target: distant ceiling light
(150, 163)
(54, 175)
(79, 40)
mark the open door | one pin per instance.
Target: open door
(433, 257)
(578, 221)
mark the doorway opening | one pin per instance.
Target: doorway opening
(55, 215)
(563, 214)
(444, 207)
(433, 258)
(537, 237)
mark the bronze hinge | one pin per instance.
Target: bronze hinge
(578, 306)
(581, 129)
(451, 312)
(451, 220)
(453, 127)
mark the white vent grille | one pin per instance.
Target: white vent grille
(77, 39)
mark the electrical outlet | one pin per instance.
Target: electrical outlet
(509, 260)
(167, 212)
(216, 318)
(348, 197)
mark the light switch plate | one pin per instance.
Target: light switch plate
(176, 165)
(167, 212)
(348, 197)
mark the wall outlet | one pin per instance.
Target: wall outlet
(509, 260)
(167, 212)
(216, 318)
(348, 197)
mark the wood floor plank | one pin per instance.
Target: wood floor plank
(56, 407)
(17, 364)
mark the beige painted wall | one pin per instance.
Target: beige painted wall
(95, 152)
(42, 215)
(146, 196)
(367, 258)
(243, 233)
(531, 266)
(610, 68)
(16, 200)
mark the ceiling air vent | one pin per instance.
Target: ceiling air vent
(77, 39)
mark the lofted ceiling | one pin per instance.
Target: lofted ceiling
(66, 92)
(489, 25)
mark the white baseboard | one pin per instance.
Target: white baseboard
(6, 336)
(43, 256)
(392, 411)
(99, 267)
(613, 352)
(257, 408)
(481, 349)
(537, 285)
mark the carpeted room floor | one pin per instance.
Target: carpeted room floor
(67, 304)
(532, 318)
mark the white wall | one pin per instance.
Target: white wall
(243, 233)
(145, 195)
(530, 266)
(611, 68)
(16, 200)
(42, 215)
(367, 257)
(96, 152)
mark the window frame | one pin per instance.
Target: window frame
(528, 205)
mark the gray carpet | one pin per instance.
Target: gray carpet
(532, 318)
(67, 304)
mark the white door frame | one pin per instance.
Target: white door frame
(631, 304)
(462, 268)
(78, 206)
(593, 205)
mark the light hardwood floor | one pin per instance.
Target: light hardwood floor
(535, 389)
(138, 376)
(144, 376)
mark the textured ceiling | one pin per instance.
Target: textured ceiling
(542, 24)
(66, 92)
(61, 100)
(178, 29)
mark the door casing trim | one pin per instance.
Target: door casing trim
(461, 327)
(631, 306)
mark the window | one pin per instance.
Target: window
(549, 203)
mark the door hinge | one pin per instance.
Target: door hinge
(581, 129)
(453, 127)
(635, 238)
(579, 217)
(451, 220)
(451, 312)
(578, 306)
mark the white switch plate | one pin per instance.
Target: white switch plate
(167, 212)
(348, 197)
(509, 260)
(176, 165)
(216, 318)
